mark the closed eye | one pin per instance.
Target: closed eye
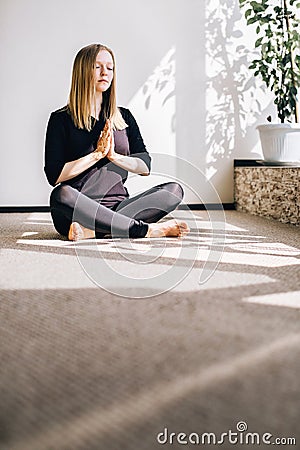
(108, 68)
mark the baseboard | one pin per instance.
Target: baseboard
(192, 206)
(208, 206)
(23, 209)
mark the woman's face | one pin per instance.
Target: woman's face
(104, 72)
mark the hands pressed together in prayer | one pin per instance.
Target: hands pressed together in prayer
(106, 144)
(106, 148)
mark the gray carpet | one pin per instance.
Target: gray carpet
(99, 352)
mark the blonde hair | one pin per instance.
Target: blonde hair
(82, 92)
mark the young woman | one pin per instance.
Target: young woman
(91, 145)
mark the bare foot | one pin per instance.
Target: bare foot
(170, 228)
(78, 232)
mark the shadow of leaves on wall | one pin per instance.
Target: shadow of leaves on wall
(162, 83)
(233, 94)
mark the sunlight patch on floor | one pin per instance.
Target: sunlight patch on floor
(262, 255)
(59, 271)
(44, 242)
(274, 248)
(259, 260)
(286, 299)
(24, 269)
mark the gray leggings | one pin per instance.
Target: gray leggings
(129, 218)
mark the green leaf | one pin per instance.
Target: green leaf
(248, 13)
(257, 7)
(269, 33)
(251, 20)
(293, 90)
(258, 42)
(252, 66)
(257, 29)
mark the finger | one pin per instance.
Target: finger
(100, 137)
(108, 124)
(102, 142)
(100, 145)
(105, 151)
(106, 140)
(106, 132)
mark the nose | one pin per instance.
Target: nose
(104, 70)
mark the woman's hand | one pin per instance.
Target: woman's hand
(106, 147)
(111, 154)
(104, 142)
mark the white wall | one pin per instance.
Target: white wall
(182, 70)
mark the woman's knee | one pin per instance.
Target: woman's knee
(61, 194)
(175, 189)
(171, 195)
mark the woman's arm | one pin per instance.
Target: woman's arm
(105, 147)
(129, 163)
(73, 168)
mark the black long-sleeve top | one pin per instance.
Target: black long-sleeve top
(65, 142)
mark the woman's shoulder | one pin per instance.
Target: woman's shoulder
(61, 117)
(127, 115)
(64, 111)
(123, 111)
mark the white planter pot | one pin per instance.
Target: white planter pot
(280, 142)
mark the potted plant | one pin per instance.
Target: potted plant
(278, 63)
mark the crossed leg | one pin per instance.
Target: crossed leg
(133, 217)
(69, 206)
(154, 204)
